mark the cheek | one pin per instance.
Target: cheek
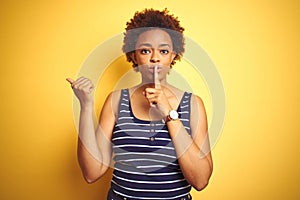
(165, 69)
(168, 59)
(142, 59)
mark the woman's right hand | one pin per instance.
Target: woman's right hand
(83, 88)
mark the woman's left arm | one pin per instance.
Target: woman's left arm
(193, 152)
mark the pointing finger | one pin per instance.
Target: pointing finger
(156, 80)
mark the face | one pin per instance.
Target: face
(154, 48)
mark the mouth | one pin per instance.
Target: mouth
(152, 68)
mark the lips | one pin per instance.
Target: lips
(158, 68)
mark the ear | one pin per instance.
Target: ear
(173, 54)
(133, 58)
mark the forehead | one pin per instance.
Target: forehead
(155, 37)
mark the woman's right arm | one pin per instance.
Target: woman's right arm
(94, 146)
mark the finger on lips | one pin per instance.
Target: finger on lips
(156, 80)
(152, 93)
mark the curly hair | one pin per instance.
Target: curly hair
(151, 19)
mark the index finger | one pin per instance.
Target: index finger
(156, 80)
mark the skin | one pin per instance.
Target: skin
(152, 99)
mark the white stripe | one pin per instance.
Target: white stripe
(185, 101)
(140, 190)
(150, 166)
(183, 112)
(141, 173)
(184, 106)
(129, 137)
(146, 146)
(124, 99)
(146, 153)
(125, 118)
(150, 182)
(123, 104)
(160, 124)
(139, 138)
(153, 198)
(141, 159)
(132, 130)
(185, 120)
(162, 131)
(127, 123)
(125, 111)
(165, 139)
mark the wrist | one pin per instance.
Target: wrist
(87, 106)
(172, 116)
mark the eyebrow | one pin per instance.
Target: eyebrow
(149, 45)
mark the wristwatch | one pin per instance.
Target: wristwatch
(173, 115)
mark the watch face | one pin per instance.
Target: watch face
(173, 114)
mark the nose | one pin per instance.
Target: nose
(154, 57)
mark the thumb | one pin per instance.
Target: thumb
(71, 81)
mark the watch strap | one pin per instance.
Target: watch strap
(168, 119)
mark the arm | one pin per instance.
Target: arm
(193, 152)
(94, 146)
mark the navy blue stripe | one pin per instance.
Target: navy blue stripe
(145, 158)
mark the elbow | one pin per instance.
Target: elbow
(90, 179)
(91, 175)
(201, 185)
(202, 182)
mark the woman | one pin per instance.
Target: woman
(157, 132)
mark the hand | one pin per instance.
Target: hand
(156, 97)
(83, 88)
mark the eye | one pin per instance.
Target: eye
(145, 51)
(164, 51)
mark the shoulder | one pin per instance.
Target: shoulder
(198, 118)
(197, 105)
(196, 100)
(112, 101)
(116, 94)
(197, 108)
(113, 96)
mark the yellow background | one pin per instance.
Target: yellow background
(254, 44)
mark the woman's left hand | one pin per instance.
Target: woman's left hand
(157, 99)
(156, 96)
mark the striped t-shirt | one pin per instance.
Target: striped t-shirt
(146, 166)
